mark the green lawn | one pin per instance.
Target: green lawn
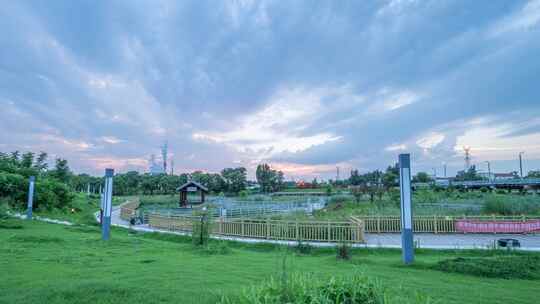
(48, 263)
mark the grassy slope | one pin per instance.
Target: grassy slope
(47, 263)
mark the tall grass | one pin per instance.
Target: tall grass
(302, 288)
(511, 205)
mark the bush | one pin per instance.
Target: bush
(48, 194)
(303, 248)
(51, 194)
(217, 248)
(305, 288)
(343, 251)
(505, 267)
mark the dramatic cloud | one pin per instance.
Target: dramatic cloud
(307, 86)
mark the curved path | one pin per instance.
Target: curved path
(530, 242)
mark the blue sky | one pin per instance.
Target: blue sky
(304, 85)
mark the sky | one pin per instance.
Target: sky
(306, 86)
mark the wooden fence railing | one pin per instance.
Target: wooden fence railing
(128, 210)
(352, 231)
(430, 224)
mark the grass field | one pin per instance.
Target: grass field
(48, 263)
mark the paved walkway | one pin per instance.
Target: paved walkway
(530, 242)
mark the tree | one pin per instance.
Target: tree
(27, 160)
(235, 179)
(41, 162)
(422, 177)
(534, 174)
(61, 170)
(469, 175)
(269, 179)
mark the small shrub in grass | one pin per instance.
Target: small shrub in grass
(305, 288)
(505, 267)
(217, 248)
(343, 251)
(6, 224)
(303, 248)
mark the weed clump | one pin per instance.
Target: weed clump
(216, 248)
(7, 224)
(303, 248)
(36, 239)
(343, 252)
(505, 267)
(308, 289)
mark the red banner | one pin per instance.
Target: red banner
(471, 226)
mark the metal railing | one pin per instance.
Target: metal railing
(311, 231)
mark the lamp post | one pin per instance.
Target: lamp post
(407, 240)
(521, 164)
(107, 205)
(30, 197)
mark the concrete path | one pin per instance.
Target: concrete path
(530, 242)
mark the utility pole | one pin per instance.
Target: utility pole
(521, 164)
(444, 169)
(489, 170)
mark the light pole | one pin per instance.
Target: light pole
(521, 164)
(489, 170)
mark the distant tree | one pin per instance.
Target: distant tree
(422, 177)
(468, 175)
(269, 179)
(61, 170)
(534, 174)
(41, 162)
(27, 160)
(391, 176)
(235, 179)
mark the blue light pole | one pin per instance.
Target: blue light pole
(407, 240)
(107, 202)
(30, 198)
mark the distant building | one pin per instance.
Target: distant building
(502, 176)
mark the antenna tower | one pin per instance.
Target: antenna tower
(164, 156)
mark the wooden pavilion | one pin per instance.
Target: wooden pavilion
(191, 187)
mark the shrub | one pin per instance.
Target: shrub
(305, 288)
(343, 251)
(49, 193)
(484, 189)
(217, 248)
(506, 267)
(303, 248)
